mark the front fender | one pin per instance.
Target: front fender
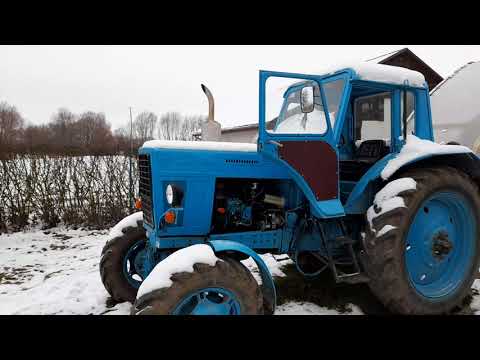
(268, 286)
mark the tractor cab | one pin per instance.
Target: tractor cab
(332, 129)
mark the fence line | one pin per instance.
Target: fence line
(85, 191)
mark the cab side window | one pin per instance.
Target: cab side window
(372, 117)
(409, 97)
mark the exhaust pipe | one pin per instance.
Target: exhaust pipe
(211, 104)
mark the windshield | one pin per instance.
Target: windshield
(333, 94)
(290, 119)
(293, 121)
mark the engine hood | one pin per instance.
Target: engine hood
(205, 158)
(200, 145)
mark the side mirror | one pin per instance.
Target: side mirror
(306, 99)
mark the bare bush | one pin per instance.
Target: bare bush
(83, 190)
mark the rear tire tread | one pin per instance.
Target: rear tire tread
(385, 259)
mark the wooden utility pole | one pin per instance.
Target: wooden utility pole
(130, 186)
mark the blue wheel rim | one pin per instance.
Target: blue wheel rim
(440, 245)
(209, 301)
(133, 264)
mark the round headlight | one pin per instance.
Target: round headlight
(169, 194)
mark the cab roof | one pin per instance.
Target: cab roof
(381, 73)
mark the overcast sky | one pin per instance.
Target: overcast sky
(40, 79)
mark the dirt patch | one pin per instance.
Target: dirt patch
(58, 247)
(15, 275)
(50, 274)
(61, 236)
(323, 291)
(6, 278)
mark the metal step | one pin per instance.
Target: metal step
(354, 278)
(339, 276)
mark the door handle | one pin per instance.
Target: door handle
(275, 143)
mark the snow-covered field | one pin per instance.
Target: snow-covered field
(56, 272)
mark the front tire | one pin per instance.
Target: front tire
(227, 288)
(427, 257)
(121, 263)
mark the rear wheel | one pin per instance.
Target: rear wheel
(426, 258)
(227, 288)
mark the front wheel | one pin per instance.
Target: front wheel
(122, 263)
(226, 288)
(422, 247)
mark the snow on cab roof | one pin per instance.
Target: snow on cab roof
(382, 73)
(200, 145)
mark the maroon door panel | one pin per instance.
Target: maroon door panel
(316, 162)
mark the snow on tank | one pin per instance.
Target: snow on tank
(455, 107)
(381, 73)
(200, 145)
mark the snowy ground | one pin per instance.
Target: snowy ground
(56, 272)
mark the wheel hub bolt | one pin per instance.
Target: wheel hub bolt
(441, 245)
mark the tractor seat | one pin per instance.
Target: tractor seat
(367, 154)
(371, 151)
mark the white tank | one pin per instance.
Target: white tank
(455, 104)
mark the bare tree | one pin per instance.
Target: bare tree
(174, 126)
(93, 133)
(191, 125)
(62, 127)
(169, 126)
(144, 126)
(122, 140)
(11, 126)
(37, 139)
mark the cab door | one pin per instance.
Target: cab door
(298, 116)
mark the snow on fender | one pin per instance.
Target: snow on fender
(129, 221)
(386, 200)
(416, 148)
(180, 261)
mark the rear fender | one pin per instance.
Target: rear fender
(358, 202)
(268, 286)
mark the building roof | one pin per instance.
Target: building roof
(455, 73)
(380, 58)
(407, 59)
(270, 125)
(239, 128)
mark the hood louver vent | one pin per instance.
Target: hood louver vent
(241, 161)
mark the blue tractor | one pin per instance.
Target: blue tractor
(344, 177)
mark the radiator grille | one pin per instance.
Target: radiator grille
(145, 188)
